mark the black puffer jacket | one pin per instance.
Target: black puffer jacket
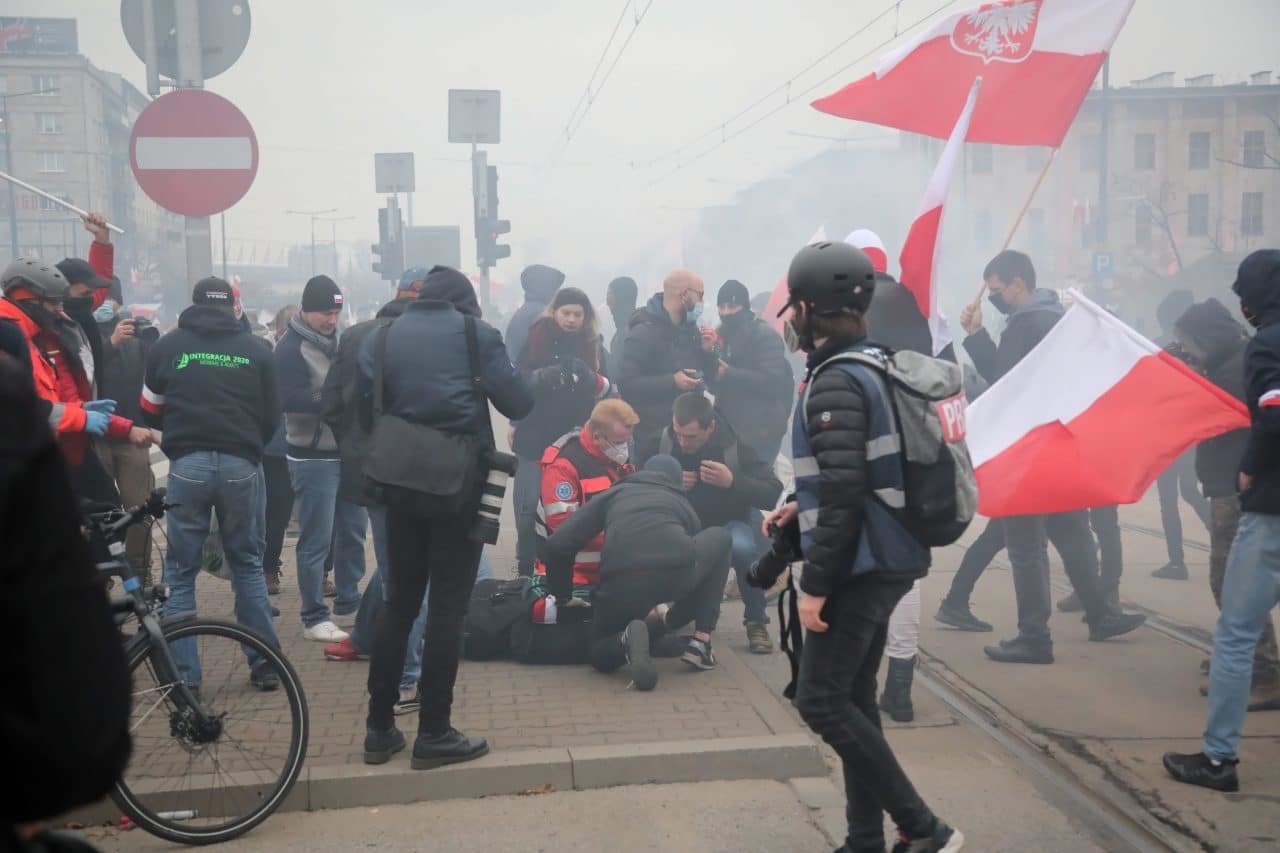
(655, 349)
(1258, 286)
(648, 527)
(757, 390)
(1026, 328)
(1219, 343)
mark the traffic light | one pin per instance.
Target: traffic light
(390, 245)
(489, 227)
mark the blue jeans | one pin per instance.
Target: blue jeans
(748, 544)
(201, 484)
(325, 519)
(375, 599)
(526, 493)
(1250, 591)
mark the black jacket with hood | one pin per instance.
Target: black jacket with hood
(1217, 343)
(656, 348)
(648, 526)
(1026, 328)
(123, 366)
(1258, 286)
(758, 388)
(540, 284)
(754, 484)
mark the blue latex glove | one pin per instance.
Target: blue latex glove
(95, 423)
(104, 406)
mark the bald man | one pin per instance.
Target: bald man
(668, 353)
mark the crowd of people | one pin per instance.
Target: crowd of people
(647, 474)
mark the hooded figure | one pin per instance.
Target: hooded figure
(540, 284)
(1258, 286)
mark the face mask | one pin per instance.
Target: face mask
(617, 453)
(1252, 318)
(77, 304)
(998, 303)
(695, 313)
(790, 336)
(104, 313)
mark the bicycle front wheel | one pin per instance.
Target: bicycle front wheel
(204, 779)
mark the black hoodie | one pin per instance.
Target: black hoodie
(1258, 286)
(1217, 343)
(211, 386)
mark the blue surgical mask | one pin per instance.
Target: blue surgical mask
(695, 313)
(104, 312)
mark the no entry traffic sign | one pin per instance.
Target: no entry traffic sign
(193, 152)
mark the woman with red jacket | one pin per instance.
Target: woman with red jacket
(563, 360)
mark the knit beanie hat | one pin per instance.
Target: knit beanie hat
(445, 284)
(733, 292)
(321, 294)
(667, 466)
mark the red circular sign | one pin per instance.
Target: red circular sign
(193, 152)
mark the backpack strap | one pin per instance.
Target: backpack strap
(477, 388)
(379, 360)
(665, 444)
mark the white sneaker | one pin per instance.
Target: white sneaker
(325, 632)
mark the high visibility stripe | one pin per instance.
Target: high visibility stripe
(895, 498)
(808, 520)
(805, 466)
(56, 413)
(885, 445)
(559, 507)
(587, 557)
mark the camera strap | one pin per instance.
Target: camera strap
(473, 363)
(792, 632)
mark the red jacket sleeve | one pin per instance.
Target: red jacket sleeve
(102, 257)
(118, 428)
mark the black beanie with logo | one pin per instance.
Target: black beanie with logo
(321, 294)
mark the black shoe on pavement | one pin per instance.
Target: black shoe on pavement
(452, 747)
(1114, 625)
(1171, 572)
(635, 645)
(1198, 769)
(264, 677)
(943, 840)
(379, 746)
(699, 655)
(896, 698)
(960, 617)
(1021, 650)
(1071, 604)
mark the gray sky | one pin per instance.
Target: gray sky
(326, 84)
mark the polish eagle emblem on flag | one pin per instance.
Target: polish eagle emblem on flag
(998, 32)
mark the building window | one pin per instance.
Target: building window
(1198, 215)
(1198, 151)
(1255, 149)
(1144, 151)
(1036, 158)
(49, 123)
(983, 159)
(982, 229)
(50, 207)
(1090, 153)
(51, 161)
(1142, 225)
(1251, 215)
(45, 84)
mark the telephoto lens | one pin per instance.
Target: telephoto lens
(783, 551)
(501, 468)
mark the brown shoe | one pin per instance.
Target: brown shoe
(273, 583)
(758, 641)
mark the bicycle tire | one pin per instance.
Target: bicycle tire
(177, 829)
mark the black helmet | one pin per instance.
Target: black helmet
(831, 278)
(40, 277)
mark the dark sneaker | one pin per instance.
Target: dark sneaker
(408, 703)
(635, 645)
(452, 747)
(1115, 625)
(379, 746)
(960, 617)
(1199, 769)
(264, 677)
(698, 654)
(1021, 650)
(1171, 572)
(1071, 604)
(758, 640)
(273, 583)
(943, 840)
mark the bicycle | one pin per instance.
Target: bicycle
(203, 768)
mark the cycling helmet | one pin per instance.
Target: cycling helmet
(831, 278)
(39, 277)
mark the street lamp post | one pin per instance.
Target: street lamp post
(314, 214)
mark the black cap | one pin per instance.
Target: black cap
(733, 292)
(321, 294)
(78, 271)
(214, 291)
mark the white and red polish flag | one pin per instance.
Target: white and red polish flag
(1089, 418)
(779, 297)
(1037, 59)
(923, 246)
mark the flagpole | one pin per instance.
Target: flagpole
(53, 198)
(1017, 222)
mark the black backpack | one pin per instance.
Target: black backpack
(496, 605)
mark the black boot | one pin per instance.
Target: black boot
(452, 747)
(896, 698)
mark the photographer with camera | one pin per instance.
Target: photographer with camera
(426, 382)
(563, 360)
(859, 557)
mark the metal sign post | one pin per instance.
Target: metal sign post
(199, 237)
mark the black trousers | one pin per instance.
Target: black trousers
(419, 549)
(1180, 477)
(279, 507)
(979, 555)
(696, 597)
(836, 696)
(1105, 521)
(1027, 537)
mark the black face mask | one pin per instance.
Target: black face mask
(998, 303)
(1252, 318)
(733, 321)
(77, 306)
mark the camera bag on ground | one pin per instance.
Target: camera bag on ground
(927, 413)
(420, 469)
(496, 605)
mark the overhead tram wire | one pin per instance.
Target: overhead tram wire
(801, 94)
(626, 4)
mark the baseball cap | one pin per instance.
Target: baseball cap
(214, 291)
(78, 271)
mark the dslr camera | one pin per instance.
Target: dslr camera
(502, 466)
(784, 549)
